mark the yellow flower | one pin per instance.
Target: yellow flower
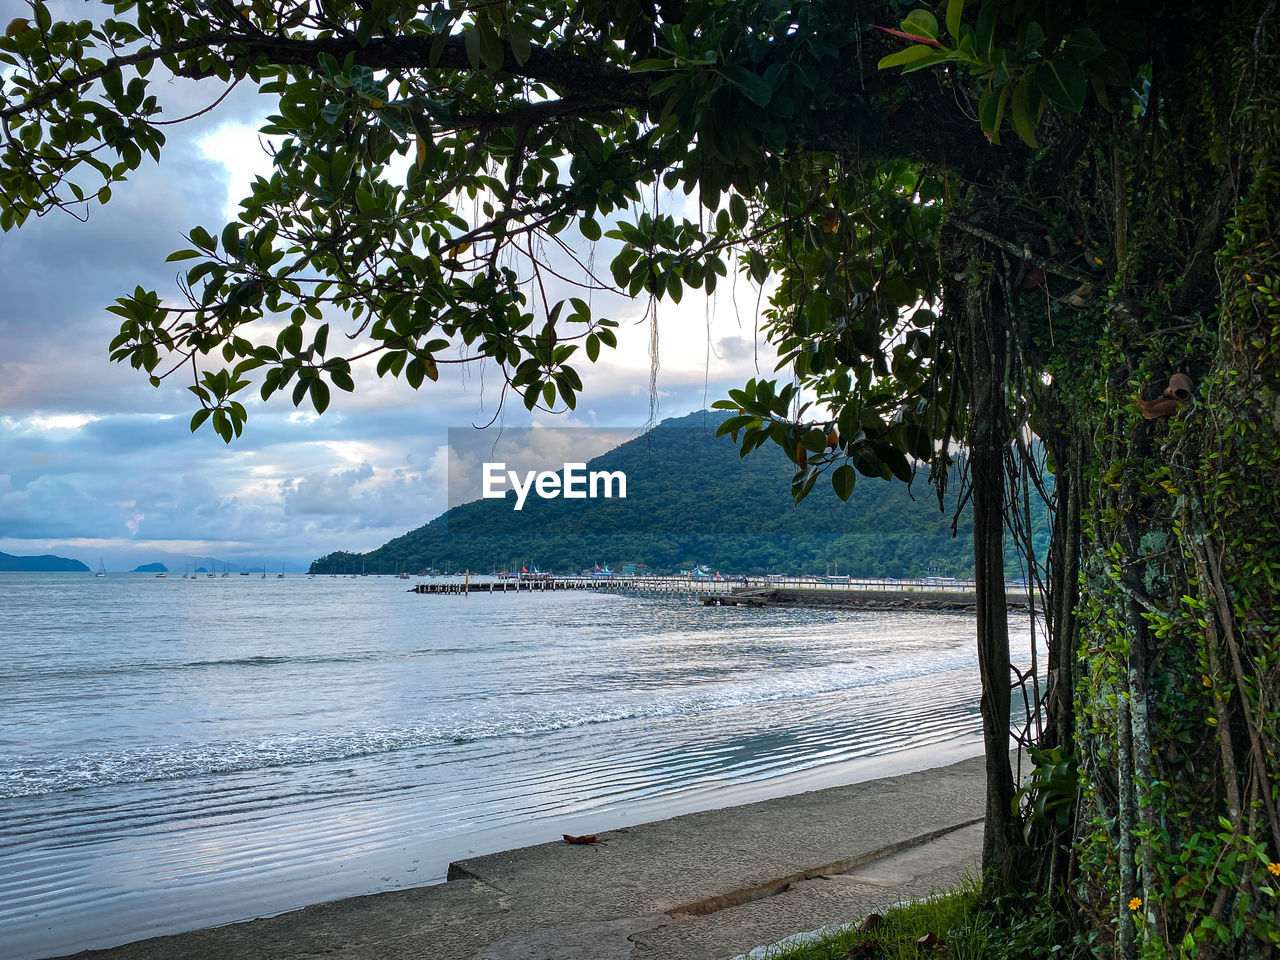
(1274, 868)
(1135, 903)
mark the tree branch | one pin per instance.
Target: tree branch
(561, 68)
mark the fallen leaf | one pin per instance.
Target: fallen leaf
(1152, 409)
(1180, 387)
(1080, 295)
(1034, 277)
(930, 941)
(588, 838)
(870, 922)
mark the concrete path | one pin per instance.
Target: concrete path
(704, 886)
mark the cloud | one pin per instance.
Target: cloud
(736, 350)
(96, 459)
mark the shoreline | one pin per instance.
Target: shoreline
(690, 866)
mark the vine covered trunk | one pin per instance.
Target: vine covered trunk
(1160, 413)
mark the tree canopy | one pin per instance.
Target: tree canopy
(976, 221)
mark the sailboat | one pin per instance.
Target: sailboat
(280, 575)
(214, 564)
(102, 569)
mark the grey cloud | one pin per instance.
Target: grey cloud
(736, 349)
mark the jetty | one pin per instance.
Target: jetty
(866, 598)
(869, 594)
(636, 585)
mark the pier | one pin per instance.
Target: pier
(866, 598)
(647, 585)
(873, 594)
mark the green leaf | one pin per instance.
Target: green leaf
(1032, 39)
(936, 56)
(922, 23)
(471, 41)
(1110, 68)
(954, 9)
(518, 36)
(819, 312)
(912, 53)
(182, 255)
(319, 395)
(647, 66)
(1063, 82)
(984, 36)
(203, 239)
(1025, 110)
(1084, 45)
(869, 465)
(843, 480)
(752, 84)
(199, 418)
(991, 112)
(589, 229)
(491, 50)
(850, 422)
(814, 440)
(896, 461)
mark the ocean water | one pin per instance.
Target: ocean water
(180, 753)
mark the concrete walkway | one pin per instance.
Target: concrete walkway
(704, 886)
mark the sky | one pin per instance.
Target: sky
(96, 464)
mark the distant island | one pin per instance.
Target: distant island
(151, 568)
(41, 564)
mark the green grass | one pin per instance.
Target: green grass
(954, 916)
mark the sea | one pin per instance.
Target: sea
(178, 752)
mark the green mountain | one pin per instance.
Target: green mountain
(151, 568)
(43, 563)
(691, 499)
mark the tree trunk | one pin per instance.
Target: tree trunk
(984, 335)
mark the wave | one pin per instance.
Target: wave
(77, 672)
(29, 775)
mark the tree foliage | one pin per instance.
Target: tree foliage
(975, 220)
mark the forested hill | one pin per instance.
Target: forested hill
(42, 563)
(690, 499)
